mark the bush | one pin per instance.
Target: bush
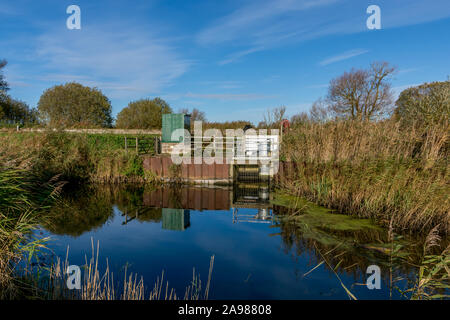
(72, 105)
(424, 105)
(143, 114)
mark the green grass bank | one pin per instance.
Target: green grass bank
(77, 157)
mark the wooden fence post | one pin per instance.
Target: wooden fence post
(126, 150)
(137, 145)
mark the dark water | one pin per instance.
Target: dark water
(256, 256)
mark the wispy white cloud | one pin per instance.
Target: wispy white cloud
(343, 56)
(264, 24)
(408, 70)
(253, 18)
(237, 55)
(318, 86)
(125, 64)
(229, 96)
(226, 84)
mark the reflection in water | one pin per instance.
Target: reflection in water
(256, 196)
(214, 221)
(81, 211)
(175, 219)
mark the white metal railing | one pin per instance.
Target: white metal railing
(252, 147)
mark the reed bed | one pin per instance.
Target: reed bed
(23, 200)
(103, 286)
(76, 157)
(431, 274)
(376, 170)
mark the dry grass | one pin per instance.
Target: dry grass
(76, 157)
(102, 286)
(375, 170)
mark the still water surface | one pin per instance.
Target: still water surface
(256, 255)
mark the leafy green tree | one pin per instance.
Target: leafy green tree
(73, 104)
(16, 111)
(13, 111)
(3, 89)
(3, 84)
(426, 104)
(143, 114)
(162, 103)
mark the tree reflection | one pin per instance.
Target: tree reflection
(80, 211)
(349, 251)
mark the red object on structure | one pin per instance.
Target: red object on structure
(285, 124)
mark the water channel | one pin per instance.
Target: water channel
(257, 254)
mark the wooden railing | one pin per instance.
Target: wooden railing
(143, 145)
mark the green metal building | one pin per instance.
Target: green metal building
(172, 122)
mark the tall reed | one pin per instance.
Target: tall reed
(22, 202)
(377, 170)
(76, 157)
(103, 286)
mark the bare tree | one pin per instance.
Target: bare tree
(272, 118)
(362, 94)
(196, 115)
(319, 112)
(299, 119)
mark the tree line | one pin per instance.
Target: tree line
(367, 95)
(13, 111)
(75, 105)
(359, 95)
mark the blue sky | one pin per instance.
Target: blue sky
(233, 59)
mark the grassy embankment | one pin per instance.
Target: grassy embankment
(33, 168)
(418, 267)
(78, 157)
(24, 200)
(396, 176)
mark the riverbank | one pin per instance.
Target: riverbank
(347, 244)
(24, 203)
(396, 176)
(77, 157)
(393, 175)
(148, 225)
(34, 167)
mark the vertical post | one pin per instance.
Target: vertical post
(126, 145)
(281, 132)
(158, 143)
(137, 145)
(155, 146)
